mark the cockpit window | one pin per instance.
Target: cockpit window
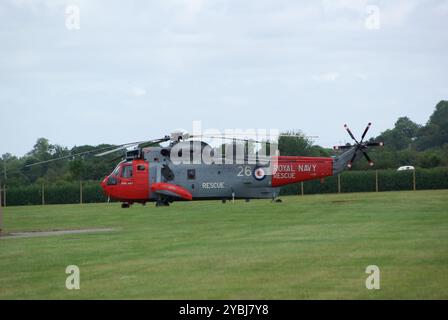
(127, 172)
(116, 171)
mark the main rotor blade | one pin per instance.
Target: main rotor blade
(151, 142)
(140, 144)
(350, 133)
(230, 135)
(226, 138)
(67, 156)
(365, 131)
(115, 150)
(223, 137)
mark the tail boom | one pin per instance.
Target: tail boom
(293, 169)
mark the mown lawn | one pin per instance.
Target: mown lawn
(310, 247)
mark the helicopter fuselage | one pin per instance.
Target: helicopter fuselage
(154, 177)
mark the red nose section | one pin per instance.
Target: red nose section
(104, 186)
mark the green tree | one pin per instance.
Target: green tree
(401, 136)
(429, 159)
(435, 132)
(77, 169)
(294, 143)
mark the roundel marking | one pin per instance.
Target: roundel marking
(259, 173)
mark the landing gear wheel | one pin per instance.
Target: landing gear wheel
(276, 200)
(125, 205)
(162, 203)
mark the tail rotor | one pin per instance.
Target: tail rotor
(359, 146)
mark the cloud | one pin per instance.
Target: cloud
(360, 76)
(137, 92)
(204, 56)
(191, 9)
(397, 13)
(327, 77)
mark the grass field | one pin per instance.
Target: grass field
(311, 247)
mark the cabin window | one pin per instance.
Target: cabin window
(191, 174)
(127, 172)
(141, 167)
(111, 181)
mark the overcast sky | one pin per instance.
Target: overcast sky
(137, 70)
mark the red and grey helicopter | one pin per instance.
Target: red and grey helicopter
(150, 174)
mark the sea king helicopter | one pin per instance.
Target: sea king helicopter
(163, 175)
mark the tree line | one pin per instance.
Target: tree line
(407, 143)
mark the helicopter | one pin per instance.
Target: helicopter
(151, 173)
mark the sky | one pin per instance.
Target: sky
(89, 72)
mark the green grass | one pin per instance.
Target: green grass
(311, 247)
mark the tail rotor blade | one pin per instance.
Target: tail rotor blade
(365, 131)
(352, 159)
(342, 147)
(350, 133)
(374, 144)
(368, 158)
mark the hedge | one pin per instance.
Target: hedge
(56, 194)
(351, 181)
(365, 181)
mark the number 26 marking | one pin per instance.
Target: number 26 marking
(244, 171)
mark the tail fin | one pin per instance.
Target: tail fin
(342, 161)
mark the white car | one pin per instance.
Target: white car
(406, 168)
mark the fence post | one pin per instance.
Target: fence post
(43, 194)
(414, 185)
(339, 183)
(376, 180)
(301, 188)
(80, 192)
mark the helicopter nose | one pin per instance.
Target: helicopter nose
(104, 185)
